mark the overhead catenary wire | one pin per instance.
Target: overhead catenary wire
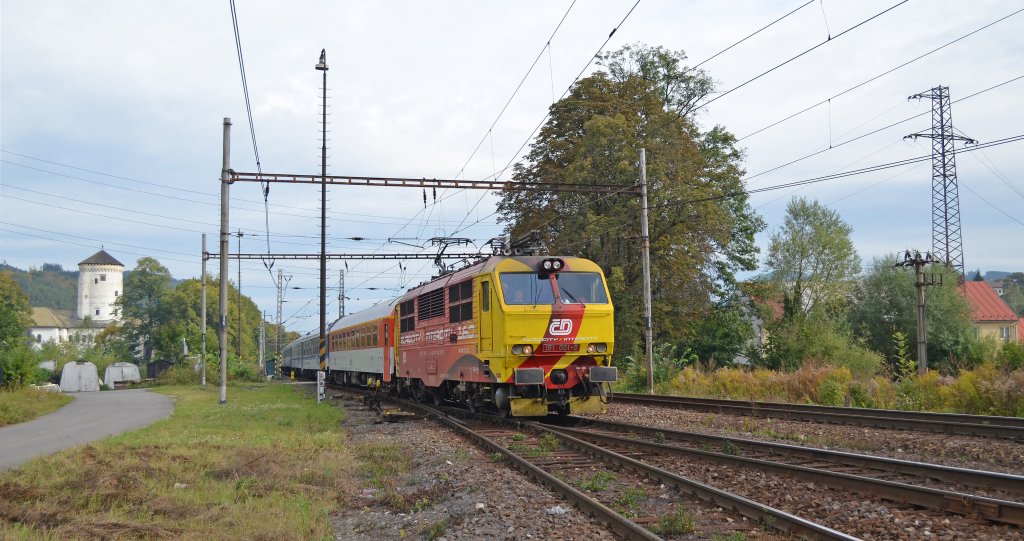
(876, 77)
(597, 55)
(265, 186)
(169, 187)
(748, 178)
(783, 63)
(834, 176)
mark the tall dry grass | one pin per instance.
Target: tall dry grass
(986, 390)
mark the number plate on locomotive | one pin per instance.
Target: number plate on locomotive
(559, 348)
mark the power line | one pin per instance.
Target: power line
(1001, 211)
(546, 46)
(829, 40)
(823, 178)
(748, 178)
(876, 77)
(307, 209)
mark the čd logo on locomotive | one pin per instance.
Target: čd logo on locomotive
(560, 327)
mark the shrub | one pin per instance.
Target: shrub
(668, 361)
(21, 367)
(1011, 357)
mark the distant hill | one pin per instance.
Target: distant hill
(49, 286)
(996, 275)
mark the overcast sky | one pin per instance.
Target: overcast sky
(112, 112)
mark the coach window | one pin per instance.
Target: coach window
(407, 314)
(460, 302)
(375, 335)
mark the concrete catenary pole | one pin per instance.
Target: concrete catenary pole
(263, 343)
(238, 298)
(922, 323)
(646, 248)
(202, 316)
(225, 193)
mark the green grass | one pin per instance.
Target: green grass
(629, 502)
(25, 404)
(598, 482)
(680, 522)
(269, 464)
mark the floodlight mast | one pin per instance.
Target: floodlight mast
(322, 66)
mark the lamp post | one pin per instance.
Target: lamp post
(322, 66)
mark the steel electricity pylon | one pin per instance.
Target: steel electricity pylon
(947, 242)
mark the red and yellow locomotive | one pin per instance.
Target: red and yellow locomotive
(526, 335)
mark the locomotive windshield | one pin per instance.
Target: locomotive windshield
(526, 288)
(535, 288)
(581, 287)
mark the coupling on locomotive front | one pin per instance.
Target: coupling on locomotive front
(526, 335)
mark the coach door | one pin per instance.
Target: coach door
(486, 323)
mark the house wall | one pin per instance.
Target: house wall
(992, 328)
(42, 335)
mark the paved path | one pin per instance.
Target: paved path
(89, 417)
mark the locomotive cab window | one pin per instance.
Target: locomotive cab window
(485, 296)
(526, 288)
(581, 288)
(460, 302)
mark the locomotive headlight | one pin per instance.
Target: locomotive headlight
(552, 265)
(597, 347)
(522, 349)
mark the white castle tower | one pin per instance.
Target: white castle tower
(100, 283)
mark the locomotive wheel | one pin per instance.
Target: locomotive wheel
(419, 391)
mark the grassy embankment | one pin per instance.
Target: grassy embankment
(986, 390)
(20, 405)
(270, 464)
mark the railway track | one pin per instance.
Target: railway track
(942, 423)
(985, 483)
(844, 471)
(563, 463)
(551, 458)
(571, 455)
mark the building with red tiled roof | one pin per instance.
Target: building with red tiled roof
(992, 316)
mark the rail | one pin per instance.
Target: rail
(943, 423)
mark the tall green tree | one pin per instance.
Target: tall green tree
(144, 305)
(812, 259)
(17, 364)
(15, 312)
(188, 323)
(701, 226)
(721, 334)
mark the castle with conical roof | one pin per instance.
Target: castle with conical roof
(100, 283)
